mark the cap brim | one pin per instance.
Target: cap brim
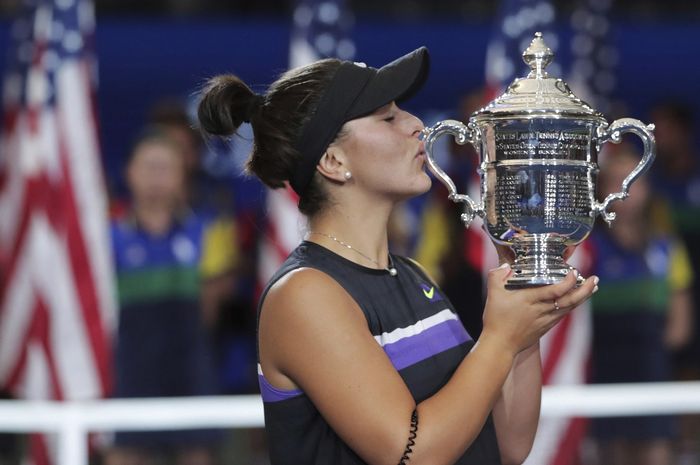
(396, 81)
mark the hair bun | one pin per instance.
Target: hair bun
(226, 103)
(254, 104)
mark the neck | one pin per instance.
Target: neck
(366, 234)
(156, 219)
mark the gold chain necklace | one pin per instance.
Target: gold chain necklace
(390, 269)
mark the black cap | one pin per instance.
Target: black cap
(356, 90)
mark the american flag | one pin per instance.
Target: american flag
(566, 348)
(320, 30)
(56, 295)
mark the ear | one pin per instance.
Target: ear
(333, 165)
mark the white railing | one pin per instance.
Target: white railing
(72, 421)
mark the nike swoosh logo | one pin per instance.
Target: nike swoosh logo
(429, 294)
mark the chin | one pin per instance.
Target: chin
(421, 185)
(427, 182)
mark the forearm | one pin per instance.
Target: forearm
(517, 411)
(450, 420)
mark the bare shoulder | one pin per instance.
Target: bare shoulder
(301, 292)
(302, 311)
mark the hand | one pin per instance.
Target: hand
(518, 318)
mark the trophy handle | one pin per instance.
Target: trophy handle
(462, 135)
(614, 133)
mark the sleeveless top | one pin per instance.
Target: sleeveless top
(420, 333)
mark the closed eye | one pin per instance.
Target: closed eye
(389, 119)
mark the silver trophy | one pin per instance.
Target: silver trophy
(538, 146)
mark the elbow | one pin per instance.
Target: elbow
(402, 446)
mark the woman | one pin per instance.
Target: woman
(362, 359)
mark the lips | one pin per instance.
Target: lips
(421, 150)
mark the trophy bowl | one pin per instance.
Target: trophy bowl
(538, 146)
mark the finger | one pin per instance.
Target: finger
(497, 277)
(554, 291)
(505, 253)
(554, 307)
(580, 294)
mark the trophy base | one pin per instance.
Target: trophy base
(538, 262)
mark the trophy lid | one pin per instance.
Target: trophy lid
(538, 95)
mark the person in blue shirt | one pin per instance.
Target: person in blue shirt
(641, 314)
(162, 255)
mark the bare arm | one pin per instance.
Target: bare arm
(314, 337)
(517, 411)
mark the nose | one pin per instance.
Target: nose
(413, 123)
(416, 125)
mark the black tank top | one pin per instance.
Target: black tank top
(419, 331)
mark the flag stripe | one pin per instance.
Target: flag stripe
(39, 449)
(567, 453)
(89, 305)
(41, 329)
(558, 339)
(77, 103)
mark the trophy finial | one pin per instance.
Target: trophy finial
(538, 56)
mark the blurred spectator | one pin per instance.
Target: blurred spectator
(640, 313)
(676, 176)
(163, 252)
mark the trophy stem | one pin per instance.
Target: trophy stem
(538, 261)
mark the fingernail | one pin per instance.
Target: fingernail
(504, 265)
(595, 289)
(595, 281)
(575, 273)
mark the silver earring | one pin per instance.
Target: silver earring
(348, 175)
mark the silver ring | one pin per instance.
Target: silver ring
(556, 306)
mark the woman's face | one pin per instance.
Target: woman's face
(156, 173)
(384, 153)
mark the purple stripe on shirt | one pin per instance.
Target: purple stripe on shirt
(439, 338)
(272, 394)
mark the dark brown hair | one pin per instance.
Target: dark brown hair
(277, 118)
